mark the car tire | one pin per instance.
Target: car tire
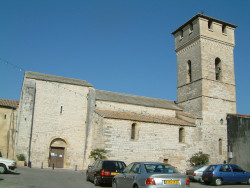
(3, 169)
(135, 186)
(218, 181)
(248, 182)
(87, 177)
(96, 182)
(114, 184)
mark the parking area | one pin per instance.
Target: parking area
(25, 177)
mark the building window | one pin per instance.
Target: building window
(133, 131)
(210, 24)
(220, 146)
(217, 69)
(61, 110)
(224, 30)
(189, 72)
(181, 135)
(191, 28)
(5, 116)
(181, 34)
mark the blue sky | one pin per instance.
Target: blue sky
(121, 46)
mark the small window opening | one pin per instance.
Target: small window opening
(133, 131)
(217, 69)
(191, 28)
(220, 146)
(5, 116)
(189, 72)
(181, 135)
(181, 35)
(61, 110)
(224, 31)
(210, 24)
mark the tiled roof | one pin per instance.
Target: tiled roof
(240, 115)
(9, 103)
(137, 100)
(59, 79)
(142, 117)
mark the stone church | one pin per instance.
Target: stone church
(62, 119)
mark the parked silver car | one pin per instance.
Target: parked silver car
(150, 174)
(195, 174)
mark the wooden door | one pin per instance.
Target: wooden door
(56, 157)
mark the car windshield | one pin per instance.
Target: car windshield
(160, 168)
(114, 165)
(211, 168)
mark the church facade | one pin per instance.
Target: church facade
(62, 119)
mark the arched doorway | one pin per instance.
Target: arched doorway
(57, 152)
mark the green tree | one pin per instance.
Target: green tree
(98, 154)
(199, 159)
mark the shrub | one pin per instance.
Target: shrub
(199, 159)
(20, 157)
(98, 154)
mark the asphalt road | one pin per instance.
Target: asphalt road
(25, 177)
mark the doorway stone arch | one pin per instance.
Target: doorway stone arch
(57, 152)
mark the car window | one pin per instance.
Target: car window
(136, 169)
(128, 168)
(211, 168)
(225, 168)
(160, 168)
(237, 168)
(114, 165)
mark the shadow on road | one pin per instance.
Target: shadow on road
(13, 173)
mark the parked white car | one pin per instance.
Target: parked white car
(6, 165)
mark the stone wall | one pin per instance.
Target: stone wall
(8, 118)
(239, 139)
(153, 142)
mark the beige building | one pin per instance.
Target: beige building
(62, 119)
(8, 116)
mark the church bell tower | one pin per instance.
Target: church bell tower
(205, 64)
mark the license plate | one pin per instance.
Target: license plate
(171, 182)
(114, 173)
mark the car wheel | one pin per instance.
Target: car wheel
(217, 181)
(135, 186)
(114, 184)
(201, 180)
(87, 177)
(2, 169)
(96, 182)
(248, 182)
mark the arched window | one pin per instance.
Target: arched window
(217, 69)
(220, 146)
(133, 131)
(181, 135)
(189, 72)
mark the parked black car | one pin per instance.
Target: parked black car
(103, 171)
